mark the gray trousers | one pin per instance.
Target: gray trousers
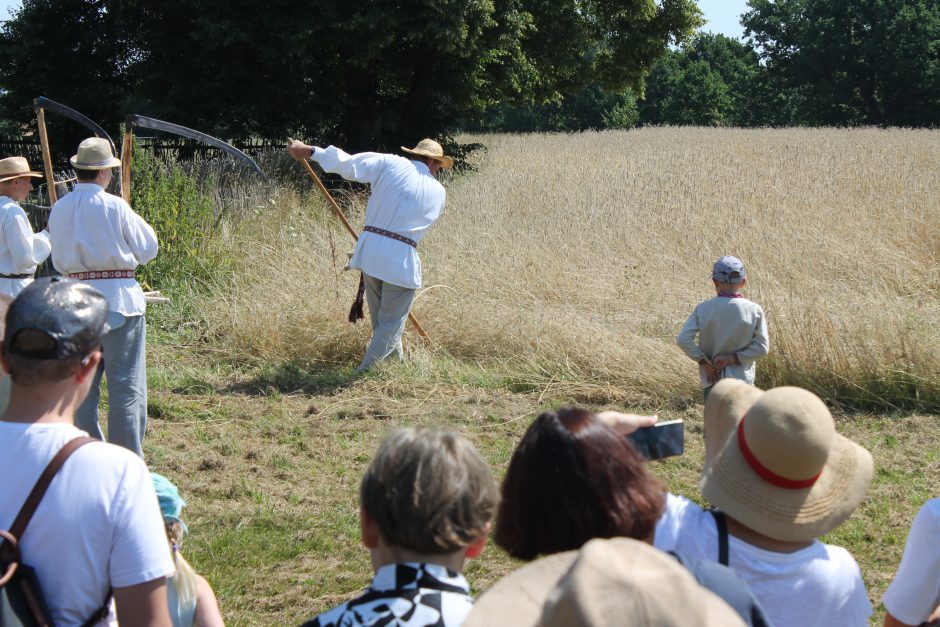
(388, 309)
(125, 364)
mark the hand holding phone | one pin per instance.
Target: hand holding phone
(664, 439)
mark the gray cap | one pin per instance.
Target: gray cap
(729, 269)
(70, 314)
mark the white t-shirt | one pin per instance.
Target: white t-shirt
(820, 585)
(915, 591)
(98, 526)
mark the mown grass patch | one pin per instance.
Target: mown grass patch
(271, 473)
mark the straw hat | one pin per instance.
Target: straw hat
(616, 581)
(775, 463)
(430, 148)
(94, 153)
(14, 168)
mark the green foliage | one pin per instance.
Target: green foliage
(850, 62)
(183, 217)
(366, 76)
(708, 82)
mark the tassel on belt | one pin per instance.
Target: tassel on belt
(356, 311)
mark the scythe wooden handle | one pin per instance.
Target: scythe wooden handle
(352, 231)
(46, 155)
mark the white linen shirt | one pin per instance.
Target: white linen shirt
(406, 199)
(21, 250)
(91, 229)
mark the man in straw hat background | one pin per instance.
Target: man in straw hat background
(406, 200)
(782, 477)
(21, 250)
(97, 237)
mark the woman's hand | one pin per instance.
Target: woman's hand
(625, 424)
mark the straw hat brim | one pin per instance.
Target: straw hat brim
(112, 162)
(729, 482)
(446, 161)
(517, 598)
(20, 175)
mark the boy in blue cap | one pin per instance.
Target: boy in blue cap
(731, 330)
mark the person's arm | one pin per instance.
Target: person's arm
(139, 235)
(686, 337)
(144, 604)
(26, 248)
(207, 606)
(760, 343)
(625, 424)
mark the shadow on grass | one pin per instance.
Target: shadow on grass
(293, 378)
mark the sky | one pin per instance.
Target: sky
(722, 15)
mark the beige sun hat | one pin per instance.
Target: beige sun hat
(775, 463)
(430, 148)
(616, 581)
(14, 168)
(94, 153)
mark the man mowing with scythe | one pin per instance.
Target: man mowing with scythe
(406, 200)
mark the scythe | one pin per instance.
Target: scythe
(43, 104)
(141, 121)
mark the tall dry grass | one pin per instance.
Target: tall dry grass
(577, 257)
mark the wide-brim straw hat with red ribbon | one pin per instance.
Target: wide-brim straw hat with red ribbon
(432, 149)
(14, 168)
(775, 463)
(94, 153)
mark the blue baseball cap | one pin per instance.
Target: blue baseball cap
(171, 503)
(729, 269)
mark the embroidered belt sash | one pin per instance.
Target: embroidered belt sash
(391, 235)
(103, 274)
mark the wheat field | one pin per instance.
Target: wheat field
(574, 259)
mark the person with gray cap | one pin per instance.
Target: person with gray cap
(731, 330)
(406, 200)
(97, 237)
(96, 533)
(21, 250)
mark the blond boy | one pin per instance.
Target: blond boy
(731, 330)
(426, 504)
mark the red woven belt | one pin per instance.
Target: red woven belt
(103, 274)
(391, 235)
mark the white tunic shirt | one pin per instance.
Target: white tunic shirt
(406, 199)
(21, 250)
(91, 229)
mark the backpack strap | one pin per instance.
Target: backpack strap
(39, 490)
(722, 524)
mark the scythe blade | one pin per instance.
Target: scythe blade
(182, 131)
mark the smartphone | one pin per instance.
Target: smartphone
(664, 439)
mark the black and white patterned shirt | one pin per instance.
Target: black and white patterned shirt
(405, 595)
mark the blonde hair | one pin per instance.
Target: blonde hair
(429, 491)
(185, 578)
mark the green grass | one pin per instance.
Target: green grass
(269, 460)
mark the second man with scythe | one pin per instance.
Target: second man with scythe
(406, 200)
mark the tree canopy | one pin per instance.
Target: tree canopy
(364, 75)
